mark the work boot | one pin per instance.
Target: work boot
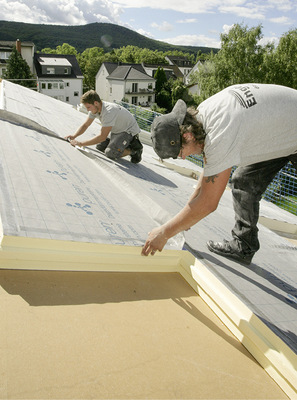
(136, 149)
(136, 156)
(102, 146)
(224, 249)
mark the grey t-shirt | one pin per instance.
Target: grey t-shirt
(116, 116)
(246, 124)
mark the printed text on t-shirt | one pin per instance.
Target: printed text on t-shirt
(244, 95)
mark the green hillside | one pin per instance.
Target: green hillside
(107, 36)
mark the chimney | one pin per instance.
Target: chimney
(18, 46)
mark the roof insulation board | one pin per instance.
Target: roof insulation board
(53, 191)
(90, 335)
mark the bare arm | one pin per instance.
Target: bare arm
(95, 140)
(81, 129)
(204, 200)
(197, 189)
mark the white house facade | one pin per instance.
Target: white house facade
(183, 64)
(59, 76)
(125, 82)
(26, 49)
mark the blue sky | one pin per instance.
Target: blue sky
(180, 22)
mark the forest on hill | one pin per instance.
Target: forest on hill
(107, 36)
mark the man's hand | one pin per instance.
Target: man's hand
(72, 141)
(76, 143)
(69, 137)
(156, 241)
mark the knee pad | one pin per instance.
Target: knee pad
(112, 153)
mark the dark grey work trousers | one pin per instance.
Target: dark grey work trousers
(248, 185)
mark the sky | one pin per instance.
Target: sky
(179, 22)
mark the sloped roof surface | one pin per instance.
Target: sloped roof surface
(75, 70)
(52, 190)
(124, 72)
(11, 43)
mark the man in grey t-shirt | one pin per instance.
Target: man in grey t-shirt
(119, 132)
(252, 126)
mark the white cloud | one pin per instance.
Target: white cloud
(165, 26)
(145, 33)
(283, 5)
(227, 28)
(187, 21)
(186, 6)
(281, 20)
(245, 12)
(266, 39)
(193, 40)
(252, 9)
(64, 12)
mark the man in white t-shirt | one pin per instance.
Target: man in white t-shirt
(119, 133)
(252, 126)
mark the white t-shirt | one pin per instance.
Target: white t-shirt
(249, 123)
(116, 116)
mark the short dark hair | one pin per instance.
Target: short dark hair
(191, 124)
(90, 97)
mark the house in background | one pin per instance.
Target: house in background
(125, 82)
(59, 76)
(171, 71)
(194, 88)
(183, 64)
(26, 49)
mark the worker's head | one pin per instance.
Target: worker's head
(90, 97)
(171, 132)
(91, 100)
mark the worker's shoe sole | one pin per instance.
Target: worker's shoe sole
(224, 249)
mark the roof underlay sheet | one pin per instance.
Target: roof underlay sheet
(63, 208)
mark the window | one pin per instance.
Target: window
(134, 87)
(61, 85)
(55, 85)
(134, 99)
(66, 71)
(67, 98)
(50, 70)
(49, 85)
(43, 85)
(67, 84)
(4, 55)
(76, 94)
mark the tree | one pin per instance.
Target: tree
(241, 56)
(180, 91)
(162, 90)
(65, 48)
(161, 79)
(280, 63)
(48, 50)
(90, 62)
(240, 60)
(163, 99)
(18, 69)
(136, 55)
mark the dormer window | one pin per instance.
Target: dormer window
(4, 55)
(50, 70)
(66, 71)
